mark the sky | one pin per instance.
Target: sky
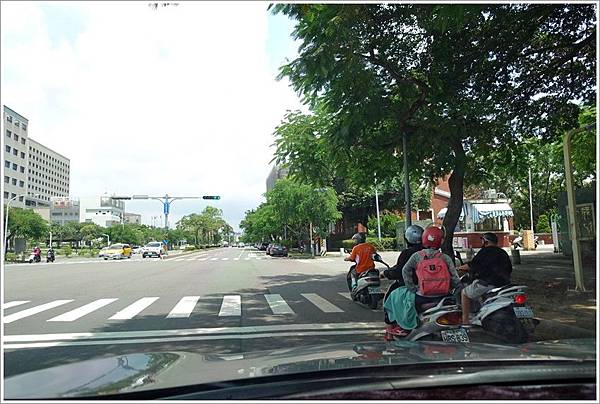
(181, 100)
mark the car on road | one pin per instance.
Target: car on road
(241, 245)
(136, 249)
(118, 251)
(268, 249)
(278, 250)
(102, 252)
(154, 249)
(263, 246)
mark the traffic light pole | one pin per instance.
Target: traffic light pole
(166, 201)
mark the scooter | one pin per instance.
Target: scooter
(50, 256)
(33, 257)
(518, 242)
(504, 313)
(368, 286)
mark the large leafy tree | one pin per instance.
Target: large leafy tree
(461, 81)
(25, 223)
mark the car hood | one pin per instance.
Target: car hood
(114, 251)
(163, 369)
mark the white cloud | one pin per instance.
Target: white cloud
(179, 100)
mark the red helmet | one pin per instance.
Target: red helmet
(432, 237)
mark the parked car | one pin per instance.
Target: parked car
(102, 252)
(118, 251)
(241, 245)
(154, 249)
(263, 246)
(268, 250)
(136, 249)
(278, 251)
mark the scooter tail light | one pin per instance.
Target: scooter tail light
(520, 299)
(452, 318)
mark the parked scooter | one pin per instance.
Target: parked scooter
(518, 242)
(50, 255)
(368, 289)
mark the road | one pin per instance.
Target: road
(226, 300)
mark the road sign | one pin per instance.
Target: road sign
(211, 197)
(166, 207)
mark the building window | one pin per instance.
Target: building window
(22, 155)
(13, 195)
(16, 137)
(5, 195)
(14, 166)
(8, 148)
(21, 199)
(15, 152)
(22, 169)
(22, 140)
(24, 126)
(6, 179)
(17, 123)
(14, 181)
(8, 133)
(7, 164)
(9, 118)
(22, 184)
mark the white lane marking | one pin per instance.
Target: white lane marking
(247, 259)
(113, 335)
(83, 310)
(224, 259)
(214, 259)
(184, 308)
(15, 303)
(278, 305)
(134, 308)
(236, 259)
(231, 306)
(240, 256)
(202, 259)
(321, 303)
(197, 338)
(191, 259)
(34, 310)
(345, 294)
(179, 259)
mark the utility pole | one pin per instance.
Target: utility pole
(530, 202)
(377, 208)
(406, 181)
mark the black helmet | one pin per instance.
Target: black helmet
(491, 237)
(359, 238)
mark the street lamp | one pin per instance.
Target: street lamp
(108, 239)
(6, 218)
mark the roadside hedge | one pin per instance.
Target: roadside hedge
(385, 244)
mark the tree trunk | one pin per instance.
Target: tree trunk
(455, 204)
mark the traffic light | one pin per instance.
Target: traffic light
(211, 197)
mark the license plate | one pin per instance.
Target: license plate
(455, 335)
(374, 290)
(523, 312)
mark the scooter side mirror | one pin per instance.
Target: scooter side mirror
(377, 258)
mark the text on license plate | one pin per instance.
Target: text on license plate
(455, 335)
(523, 312)
(374, 290)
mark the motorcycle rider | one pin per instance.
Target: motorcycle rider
(37, 253)
(405, 300)
(362, 254)
(412, 236)
(490, 268)
(432, 241)
(50, 254)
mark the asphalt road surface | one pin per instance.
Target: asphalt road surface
(226, 300)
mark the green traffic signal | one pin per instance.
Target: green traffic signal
(211, 197)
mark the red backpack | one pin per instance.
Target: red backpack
(433, 275)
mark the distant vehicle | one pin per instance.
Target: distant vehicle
(118, 251)
(154, 249)
(278, 250)
(102, 252)
(241, 245)
(136, 249)
(183, 246)
(268, 250)
(263, 246)
(225, 244)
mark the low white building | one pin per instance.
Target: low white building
(102, 210)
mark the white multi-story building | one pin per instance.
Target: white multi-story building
(102, 210)
(31, 168)
(15, 156)
(133, 218)
(63, 210)
(48, 174)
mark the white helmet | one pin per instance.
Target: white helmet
(413, 234)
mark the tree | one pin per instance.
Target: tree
(206, 227)
(25, 223)
(461, 81)
(90, 232)
(388, 222)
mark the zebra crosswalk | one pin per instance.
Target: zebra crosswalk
(127, 309)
